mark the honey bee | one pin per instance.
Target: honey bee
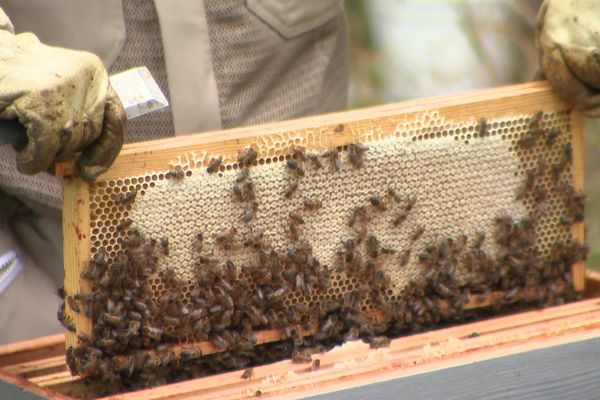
(528, 185)
(410, 203)
(248, 374)
(536, 120)
(339, 128)
(214, 164)
(334, 159)
(124, 223)
(230, 269)
(111, 319)
(556, 172)
(566, 220)
(300, 284)
(417, 233)
(166, 357)
(311, 204)
(248, 214)
(299, 153)
(247, 157)
(141, 307)
(511, 295)
(292, 187)
(405, 257)
(379, 341)
(243, 175)
(134, 315)
(293, 231)
(65, 320)
(388, 251)
(314, 160)
(381, 279)
(216, 309)
(373, 246)
(164, 244)
(552, 136)
(576, 206)
(225, 238)
(295, 167)
(352, 334)
(176, 172)
(540, 199)
(107, 343)
(316, 365)
(167, 320)
(126, 198)
(377, 203)
(151, 362)
(244, 191)
(358, 214)
(483, 127)
(278, 293)
(425, 257)
(190, 353)
(300, 356)
(530, 137)
(292, 164)
(480, 238)
(92, 271)
(219, 342)
(84, 339)
(393, 195)
(541, 167)
(400, 218)
(296, 218)
(256, 240)
(73, 304)
(70, 325)
(566, 189)
(198, 243)
(527, 142)
(323, 280)
(568, 154)
(152, 332)
(134, 240)
(356, 154)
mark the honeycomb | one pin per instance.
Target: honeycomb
(460, 180)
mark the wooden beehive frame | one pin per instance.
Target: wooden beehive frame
(320, 132)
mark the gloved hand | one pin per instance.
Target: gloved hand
(64, 100)
(567, 38)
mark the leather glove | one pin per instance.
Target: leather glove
(567, 38)
(64, 100)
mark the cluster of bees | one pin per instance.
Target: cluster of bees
(132, 339)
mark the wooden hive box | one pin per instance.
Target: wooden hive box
(38, 366)
(390, 219)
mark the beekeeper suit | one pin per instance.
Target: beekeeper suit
(221, 63)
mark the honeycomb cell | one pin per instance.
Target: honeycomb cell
(426, 159)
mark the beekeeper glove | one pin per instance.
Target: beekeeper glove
(567, 38)
(64, 100)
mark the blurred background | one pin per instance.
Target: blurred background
(407, 49)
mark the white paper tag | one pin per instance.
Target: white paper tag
(10, 266)
(138, 92)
